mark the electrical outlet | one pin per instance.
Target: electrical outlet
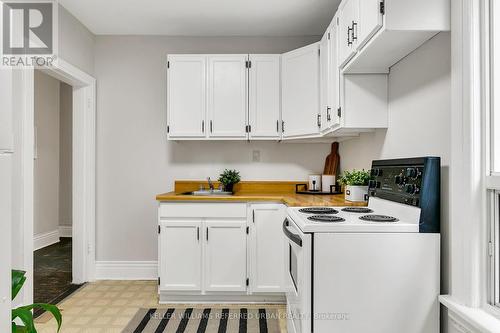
(256, 156)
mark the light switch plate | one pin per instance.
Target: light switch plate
(256, 156)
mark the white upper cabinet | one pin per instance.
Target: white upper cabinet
(348, 15)
(334, 77)
(329, 74)
(227, 96)
(306, 96)
(300, 92)
(264, 118)
(324, 71)
(385, 31)
(186, 96)
(370, 20)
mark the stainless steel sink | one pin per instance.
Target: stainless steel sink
(208, 193)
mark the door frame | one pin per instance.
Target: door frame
(84, 170)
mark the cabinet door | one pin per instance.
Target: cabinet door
(186, 96)
(325, 84)
(264, 96)
(267, 248)
(227, 96)
(300, 91)
(370, 20)
(225, 255)
(180, 255)
(348, 26)
(334, 79)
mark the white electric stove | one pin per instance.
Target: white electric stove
(369, 269)
(380, 216)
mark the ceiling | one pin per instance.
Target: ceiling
(204, 17)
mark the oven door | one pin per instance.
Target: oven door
(299, 272)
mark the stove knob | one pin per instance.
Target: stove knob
(399, 179)
(412, 189)
(376, 172)
(372, 184)
(411, 172)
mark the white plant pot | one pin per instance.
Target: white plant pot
(356, 193)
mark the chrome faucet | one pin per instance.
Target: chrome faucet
(210, 184)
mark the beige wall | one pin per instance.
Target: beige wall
(134, 159)
(65, 155)
(419, 123)
(46, 164)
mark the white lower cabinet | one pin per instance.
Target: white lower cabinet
(267, 248)
(210, 250)
(180, 255)
(225, 255)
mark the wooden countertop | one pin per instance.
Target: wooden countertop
(283, 192)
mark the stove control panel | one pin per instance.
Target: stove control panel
(410, 181)
(397, 183)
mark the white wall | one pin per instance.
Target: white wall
(419, 123)
(46, 164)
(134, 160)
(65, 154)
(76, 42)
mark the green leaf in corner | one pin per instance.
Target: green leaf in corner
(26, 317)
(47, 307)
(18, 279)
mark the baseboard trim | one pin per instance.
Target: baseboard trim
(65, 231)
(43, 240)
(272, 298)
(126, 270)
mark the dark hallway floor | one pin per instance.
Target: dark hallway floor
(52, 273)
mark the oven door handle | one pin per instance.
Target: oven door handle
(290, 235)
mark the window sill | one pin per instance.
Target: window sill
(477, 318)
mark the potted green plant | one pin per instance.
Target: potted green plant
(24, 313)
(228, 178)
(356, 184)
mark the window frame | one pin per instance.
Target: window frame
(492, 178)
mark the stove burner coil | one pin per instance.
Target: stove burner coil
(378, 218)
(325, 218)
(318, 210)
(357, 210)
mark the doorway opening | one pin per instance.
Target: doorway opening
(82, 197)
(52, 180)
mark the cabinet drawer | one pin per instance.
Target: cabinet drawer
(217, 210)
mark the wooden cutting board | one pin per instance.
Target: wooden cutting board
(332, 161)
